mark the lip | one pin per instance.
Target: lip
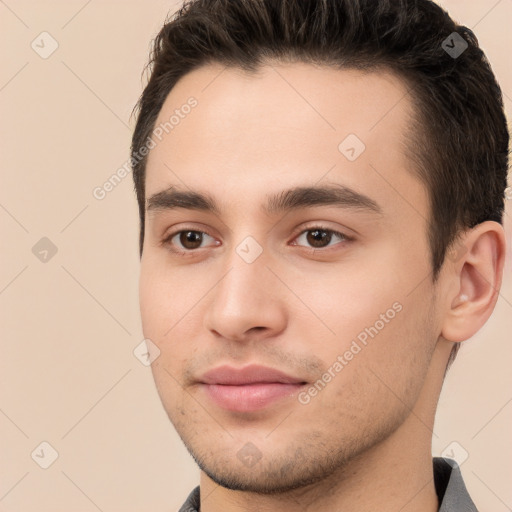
(251, 388)
(252, 374)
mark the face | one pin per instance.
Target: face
(330, 287)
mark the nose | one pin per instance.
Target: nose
(248, 301)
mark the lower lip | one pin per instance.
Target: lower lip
(249, 397)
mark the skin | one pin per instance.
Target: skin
(363, 442)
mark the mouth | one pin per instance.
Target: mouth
(250, 388)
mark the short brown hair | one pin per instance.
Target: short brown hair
(460, 141)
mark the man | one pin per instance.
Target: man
(321, 190)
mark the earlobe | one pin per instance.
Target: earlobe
(477, 279)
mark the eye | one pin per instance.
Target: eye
(319, 237)
(187, 240)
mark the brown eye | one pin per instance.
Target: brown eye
(319, 238)
(186, 241)
(191, 239)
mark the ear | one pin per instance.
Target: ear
(476, 266)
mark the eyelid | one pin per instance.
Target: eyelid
(321, 225)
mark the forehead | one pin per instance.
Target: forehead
(285, 125)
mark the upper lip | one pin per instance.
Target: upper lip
(252, 374)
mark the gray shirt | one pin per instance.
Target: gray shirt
(451, 491)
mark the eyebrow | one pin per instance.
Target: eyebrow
(292, 199)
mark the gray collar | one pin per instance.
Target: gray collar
(451, 491)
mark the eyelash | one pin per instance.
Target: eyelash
(190, 252)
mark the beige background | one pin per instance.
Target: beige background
(68, 375)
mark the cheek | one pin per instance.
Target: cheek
(384, 336)
(381, 382)
(158, 316)
(342, 305)
(163, 298)
(169, 317)
(398, 356)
